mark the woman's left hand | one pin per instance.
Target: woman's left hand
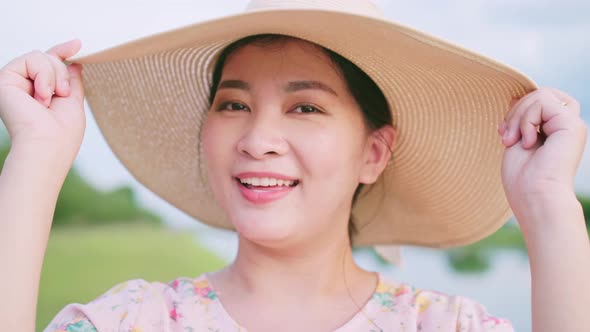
(541, 165)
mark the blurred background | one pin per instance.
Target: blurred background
(108, 228)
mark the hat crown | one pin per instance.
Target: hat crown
(357, 7)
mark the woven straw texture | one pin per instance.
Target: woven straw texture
(442, 187)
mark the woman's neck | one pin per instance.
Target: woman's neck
(318, 283)
(310, 272)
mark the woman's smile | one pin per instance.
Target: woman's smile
(285, 128)
(264, 187)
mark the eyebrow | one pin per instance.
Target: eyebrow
(309, 85)
(234, 84)
(292, 86)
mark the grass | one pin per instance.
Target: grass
(81, 263)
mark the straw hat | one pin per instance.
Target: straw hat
(443, 186)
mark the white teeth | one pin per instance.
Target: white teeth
(266, 182)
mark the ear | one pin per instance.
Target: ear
(377, 154)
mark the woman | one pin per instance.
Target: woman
(292, 133)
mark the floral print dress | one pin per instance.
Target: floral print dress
(191, 305)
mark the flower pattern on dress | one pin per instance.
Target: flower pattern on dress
(203, 289)
(174, 314)
(78, 324)
(191, 305)
(386, 294)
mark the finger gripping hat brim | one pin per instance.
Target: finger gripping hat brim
(443, 185)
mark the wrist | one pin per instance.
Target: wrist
(44, 156)
(39, 170)
(551, 198)
(547, 217)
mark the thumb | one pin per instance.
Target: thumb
(76, 87)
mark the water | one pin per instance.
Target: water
(504, 289)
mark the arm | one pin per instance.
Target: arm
(538, 173)
(41, 104)
(28, 194)
(560, 264)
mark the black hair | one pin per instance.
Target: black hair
(366, 93)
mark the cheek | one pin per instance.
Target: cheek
(332, 154)
(330, 160)
(218, 152)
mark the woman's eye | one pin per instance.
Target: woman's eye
(307, 109)
(232, 106)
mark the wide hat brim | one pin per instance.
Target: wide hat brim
(443, 185)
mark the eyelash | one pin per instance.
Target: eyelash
(223, 107)
(317, 109)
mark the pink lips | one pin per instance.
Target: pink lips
(263, 195)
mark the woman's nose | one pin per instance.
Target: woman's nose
(262, 138)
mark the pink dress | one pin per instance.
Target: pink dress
(186, 304)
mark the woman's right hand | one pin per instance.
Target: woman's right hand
(42, 101)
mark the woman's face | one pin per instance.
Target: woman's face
(285, 144)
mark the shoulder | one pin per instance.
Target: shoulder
(432, 310)
(131, 304)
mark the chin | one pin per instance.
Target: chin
(265, 230)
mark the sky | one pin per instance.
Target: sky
(547, 40)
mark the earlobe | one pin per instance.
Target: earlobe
(379, 149)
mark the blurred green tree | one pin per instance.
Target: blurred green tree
(585, 201)
(475, 258)
(80, 203)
